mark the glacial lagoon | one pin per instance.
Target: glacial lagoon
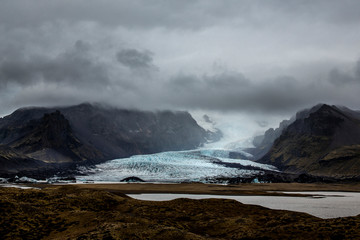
(322, 205)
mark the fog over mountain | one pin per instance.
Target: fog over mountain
(258, 58)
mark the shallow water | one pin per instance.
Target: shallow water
(323, 205)
(17, 186)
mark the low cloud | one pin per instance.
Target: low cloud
(234, 92)
(74, 67)
(135, 59)
(341, 78)
(76, 75)
(140, 56)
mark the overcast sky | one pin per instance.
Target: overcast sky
(239, 56)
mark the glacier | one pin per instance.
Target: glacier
(176, 166)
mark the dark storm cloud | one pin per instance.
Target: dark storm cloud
(71, 67)
(280, 94)
(338, 77)
(78, 76)
(342, 78)
(190, 14)
(225, 81)
(225, 92)
(41, 60)
(133, 14)
(134, 59)
(357, 70)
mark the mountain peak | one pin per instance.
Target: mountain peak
(327, 107)
(313, 142)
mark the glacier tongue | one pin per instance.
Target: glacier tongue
(195, 165)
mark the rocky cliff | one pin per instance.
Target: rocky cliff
(323, 142)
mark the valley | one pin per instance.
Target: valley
(90, 143)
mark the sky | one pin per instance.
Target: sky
(247, 57)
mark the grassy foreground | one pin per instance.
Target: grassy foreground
(73, 212)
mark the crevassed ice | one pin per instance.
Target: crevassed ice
(249, 163)
(195, 165)
(214, 153)
(222, 153)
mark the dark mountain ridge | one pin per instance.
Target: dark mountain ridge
(322, 141)
(263, 143)
(88, 134)
(49, 139)
(12, 162)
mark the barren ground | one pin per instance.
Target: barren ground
(102, 211)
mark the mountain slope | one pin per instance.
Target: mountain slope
(13, 162)
(263, 143)
(324, 142)
(121, 133)
(49, 139)
(92, 133)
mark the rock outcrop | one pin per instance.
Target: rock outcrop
(323, 142)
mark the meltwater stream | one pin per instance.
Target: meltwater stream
(177, 166)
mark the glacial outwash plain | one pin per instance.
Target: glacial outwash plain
(73, 212)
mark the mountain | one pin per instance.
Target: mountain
(264, 142)
(13, 162)
(49, 139)
(322, 141)
(88, 133)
